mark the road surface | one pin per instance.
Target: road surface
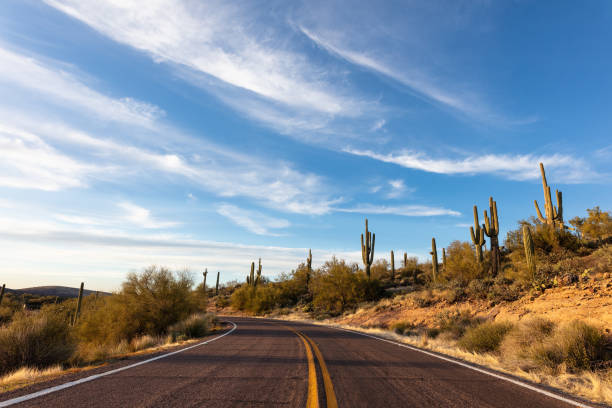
(265, 363)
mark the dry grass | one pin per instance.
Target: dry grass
(27, 375)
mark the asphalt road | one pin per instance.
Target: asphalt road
(264, 363)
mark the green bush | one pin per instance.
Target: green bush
(148, 303)
(455, 323)
(484, 338)
(35, 339)
(404, 328)
(196, 325)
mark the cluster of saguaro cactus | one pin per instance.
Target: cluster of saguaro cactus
(529, 251)
(491, 229)
(77, 311)
(434, 260)
(554, 216)
(477, 235)
(367, 248)
(217, 284)
(253, 280)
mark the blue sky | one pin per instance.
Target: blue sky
(208, 134)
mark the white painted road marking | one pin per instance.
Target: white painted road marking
(96, 376)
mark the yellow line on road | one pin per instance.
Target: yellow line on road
(330, 395)
(313, 388)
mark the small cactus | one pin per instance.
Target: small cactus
(2, 292)
(367, 248)
(217, 285)
(434, 260)
(392, 266)
(529, 251)
(77, 312)
(491, 229)
(554, 216)
(477, 235)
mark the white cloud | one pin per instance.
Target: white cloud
(515, 167)
(66, 255)
(26, 161)
(404, 210)
(215, 38)
(58, 84)
(253, 221)
(141, 217)
(397, 188)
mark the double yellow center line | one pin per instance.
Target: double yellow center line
(313, 389)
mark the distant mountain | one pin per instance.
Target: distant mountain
(61, 291)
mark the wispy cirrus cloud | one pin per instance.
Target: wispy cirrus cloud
(217, 39)
(568, 168)
(253, 221)
(59, 83)
(45, 153)
(403, 210)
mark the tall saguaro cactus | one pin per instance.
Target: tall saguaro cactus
(491, 229)
(2, 292)
(258, 278)
(529, 251)
(205, 273)
(77, 312)
(217, 285)
(434, 259)
(444, 259)
(477, 235)
(392, 266)
(554, 216)
(308, 267)
(367, 248)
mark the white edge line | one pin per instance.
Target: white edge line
(96, 376)
(471, 367)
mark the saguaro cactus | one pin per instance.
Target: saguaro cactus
(477, 235)
(444, 259)
(491, 228)
(258, 278)
(2, 292)
(205, 273)
(392, 266)
(434, 260)
(554, 216)
(308, 267)
(217, 285)
(367, 248)
(77, 312)
(529, 251)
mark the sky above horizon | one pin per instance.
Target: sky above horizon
(208, 134)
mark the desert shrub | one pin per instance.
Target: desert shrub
(479, 288)
(339, 286)
(380, 269)
(145, 342)
(148, 303)
(576, 346)
(423, 298)
(485, 337)
(455, 323)
(538, 343)
(596, 226)
(196, 325)
(461, 262)
(404, 328)
(35, 339)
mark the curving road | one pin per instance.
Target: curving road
(266, 363)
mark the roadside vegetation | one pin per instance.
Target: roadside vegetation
(153, 308)
(544, 253)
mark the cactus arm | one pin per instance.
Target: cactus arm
(539, 213)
